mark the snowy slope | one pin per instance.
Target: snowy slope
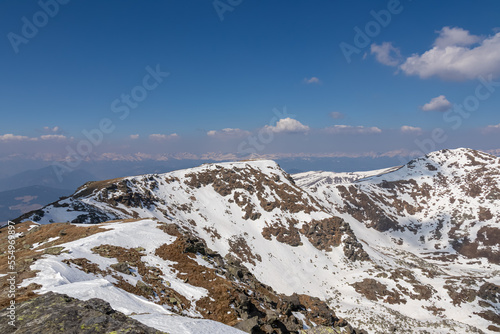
(438, 215)
(315, 179)
(447, 202)
(57, 276)
(386, 250)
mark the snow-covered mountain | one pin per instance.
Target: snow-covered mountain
(443, 204)
(438, 220)
(411, 249)
(315, 179)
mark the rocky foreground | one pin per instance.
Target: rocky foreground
(52, 313)
(174, 269)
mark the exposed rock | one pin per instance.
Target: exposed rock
(121, 267)
(86, 266)
(367, 208)
(319, 330)
(490, 291)
(53, 250)
(486, 236)
(249, 325)
(286, 234)
(490, 315)
(329, 232)
(55, 313)
(240, 248)
(374, 290)
(226, 181)
(239, 294)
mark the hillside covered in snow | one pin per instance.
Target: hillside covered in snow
(410, 249)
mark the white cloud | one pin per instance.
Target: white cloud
(348, 129)
(228, 132)
(455, 37)
(386, 54)
(491, 128)
(12, 137)
(54, 129)
(411, 129)
(439, 103)
(133, 137)
(312, 80)
(53, 137)
(336, 115)
(457, 55)
(159, 137)
(288, 125)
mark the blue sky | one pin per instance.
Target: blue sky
(230, 66)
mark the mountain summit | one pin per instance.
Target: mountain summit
(446, 201)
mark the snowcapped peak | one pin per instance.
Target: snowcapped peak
(264, 166)
(257, 163)
(455, 162)
(461, 157)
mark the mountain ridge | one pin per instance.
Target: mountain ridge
(355, 245)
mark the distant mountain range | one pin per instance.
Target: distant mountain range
(410, 249)
(102, 170)
(47, 178)
(14, 203)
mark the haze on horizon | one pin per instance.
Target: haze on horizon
(130, 81)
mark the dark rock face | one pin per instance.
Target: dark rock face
(490, 292)
(367, 208)
(224, 181)
(328, 233)
(236, 297)
(121, 267)
(56, 313)
(374, 290)
(484, 246)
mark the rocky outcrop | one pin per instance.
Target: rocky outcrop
(236, 297)
(329, 233)
(490, 292)
(252, 181)
(374, 290)
(56, 313)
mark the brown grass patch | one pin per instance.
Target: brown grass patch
(26, 255)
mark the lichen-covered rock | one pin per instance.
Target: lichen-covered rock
(121, 267)
(491, 292)
(319, 330)
(56, 313)
(53, 250)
